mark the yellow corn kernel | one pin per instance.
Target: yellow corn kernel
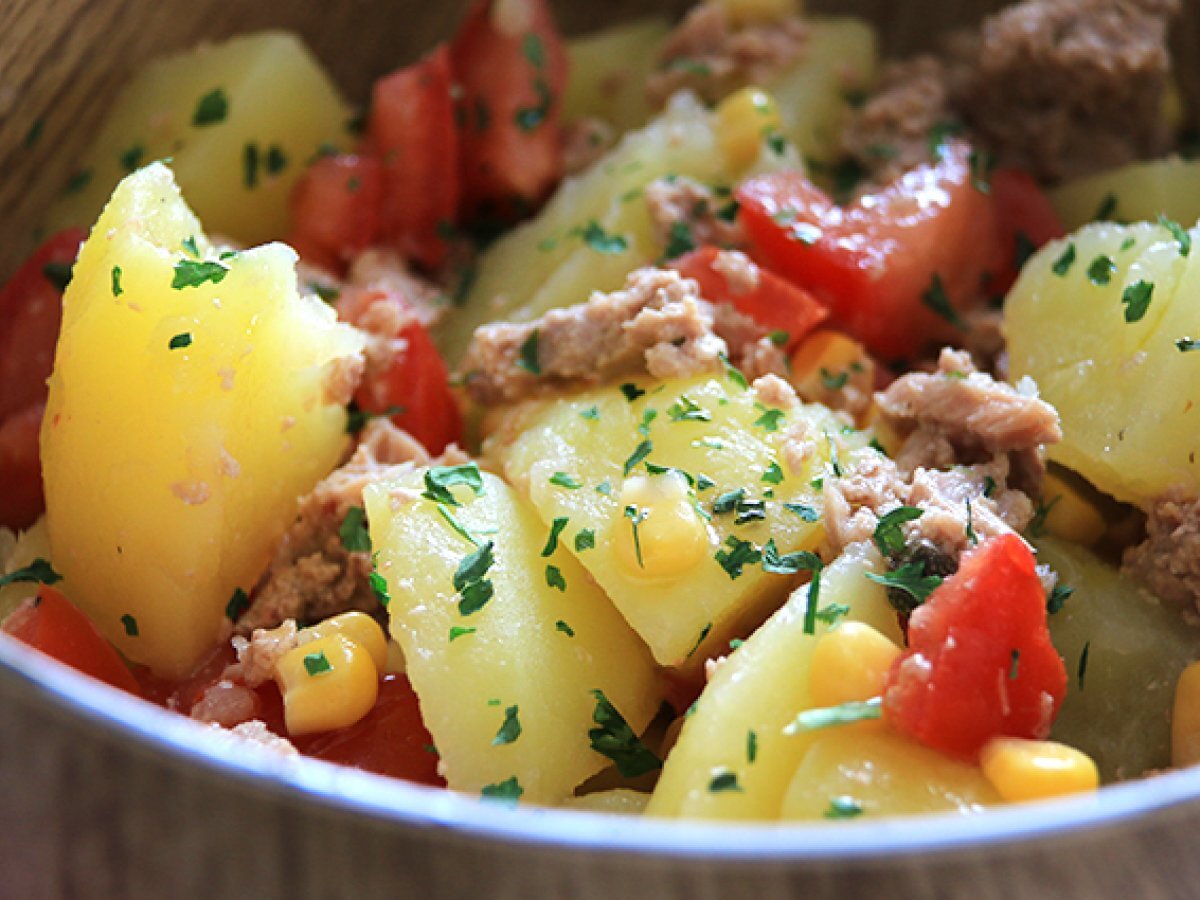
(745, 12)
(1021, 769)
(850, 663)
(1070, 516)
(824, 353)
(744, 119)
(327, 683)
(1185, 719)
(660, 534)
(358, 627)
(396, 663)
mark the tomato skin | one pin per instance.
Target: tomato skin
(30, 313)
(411, 132)
(957, 685)
(52, 624)
(390, 740)
(512, 75)
(415, 379)
(1022, 208)
(335, 209)
(774, 303)
(871, 262)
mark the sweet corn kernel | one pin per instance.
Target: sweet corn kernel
(328, 683)
(850, 663)
(744, 12)
(1033, 770)
(660, 534)
(824, 359)
(1070, 516)
(396, 663)
(744, 120)
(1185, 719)
(358, 627)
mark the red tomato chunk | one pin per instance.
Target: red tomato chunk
(980, 663)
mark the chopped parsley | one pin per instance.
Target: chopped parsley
(1081, 669)
(804, 511)
(843, 808)
(613, 739)
(770, 419)
(563, 480)
(1037, 525)
(117, 290)
(459, 528)
(353, 531)
(704, 632)
(910, 578)
(457, 631)
(609, 244)
(316, 663)
(78, 181)
(936, 299)
(180, 341)
(193, 273)
(1108, 206)
(1023, 249)
(648, 418)
(639, 454)
(889, 536)
(636, 517)
(58, 274)
(250, 166)
(1136, 299)
(685, 409)
(556, 528)
(592, 413)
(1063, 264)
(679, 240)
(631, 391)
(1059, 595)
(831, 716)
(439, 480)
(508, 791)
(37, 572)
(833, 382)
(1187, 344)
(739, 555)
(1101, 270)
(831, 613)
(969, 531)
(529, 358)
(474, 589)
(566, 629)
(211, 109)
(773, 474)
(724, 780)
(1014, 666)
(379, 587)
(751, 746)
(510, 728)
(131, 158)
(585, 540)
(238, 603)
(1181, 235)
(129, 623)
(789, 563)
(734, 374)
(554, 578)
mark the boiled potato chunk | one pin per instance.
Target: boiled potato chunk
(533, 652)
(183, 422)
(1129, 398)
(814, 96)
(847, 774)
(594, 231)
(1118, 711)
(657, 539)
(609, 70)
(760, 689)
(1140, 191)
(239, 119)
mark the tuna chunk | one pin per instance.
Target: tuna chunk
(709, 55)
(657, 324)
(1168, 561)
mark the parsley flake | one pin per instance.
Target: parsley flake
(529, 359)
(37, 572)
(910, 578)
(636, 517)
(773, 474)
(804, 511)
(131, 158)
(639, 454)
(889, 537)
(556, 528)
(507, 792)
(631, 391)
(739, 555)
(936, 299)
(457, 631)
(1063, 264)
(353, 531)
(439, 480)
(843, 808)
(117, 290)
(1101, 270)
(1181, 235)
(193, 273)
(238, 603)
(211, 109)
(1059, 595)
(751, 746)
(563, 480)
(613, 739)
(585, 540)
(316, 663)
(770, 419)
(379, 588)
(554, 578)
(1081, 669)
(566, 629)
(510, 728)
(1187, 344)
(679, 240)
(596, 238)
(724, 780)
(180, 341)
(129, 623)
(1136, 299)
(831, 716)
(592, 413)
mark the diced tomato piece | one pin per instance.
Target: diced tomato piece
(390, 740)
(335, 209)
(415, 383)
(772, 302)
(30, 312)
(411, 130)
(511, 66)
(51, 623)
(874, 263)
(980, 663)
(1026, 221)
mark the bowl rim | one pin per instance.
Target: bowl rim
(392, 802)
